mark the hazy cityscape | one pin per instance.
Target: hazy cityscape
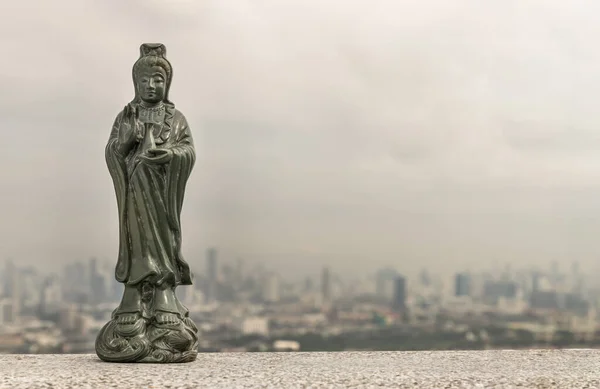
(244, 306)
(398, 176)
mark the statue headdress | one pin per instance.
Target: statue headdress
(153, 54)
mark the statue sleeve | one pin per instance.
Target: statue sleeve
(116, 162)
(118, 171)
(180, 167)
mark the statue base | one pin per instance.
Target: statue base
(147, 341)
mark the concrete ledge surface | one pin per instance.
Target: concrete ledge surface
(437, 369)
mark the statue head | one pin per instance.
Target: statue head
(152, 74)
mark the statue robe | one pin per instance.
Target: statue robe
(149, 200)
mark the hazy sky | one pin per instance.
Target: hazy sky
(356, 133)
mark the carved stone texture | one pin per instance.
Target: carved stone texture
(150, 155)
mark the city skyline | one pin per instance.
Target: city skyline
(414, 134)
(253, 308)
(214, 266)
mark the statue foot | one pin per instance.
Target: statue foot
(129, 324)
(127, 318)
(169, 319)
(172, 341)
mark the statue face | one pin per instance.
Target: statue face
(151, 84)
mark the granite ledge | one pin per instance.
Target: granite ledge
(436, 369)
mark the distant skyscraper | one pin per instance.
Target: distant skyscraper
(425, 278)
(10, 276)
(227, 274)
(211, 274)
(575, 268)
(81, 278)
(493, 290)
(97, 281)
(239, 272)
(12, 288)
(535, 281)
(30, 282)
(576, 280)
(384, 282)
(7, 312)
(554, 273)
(462, 284)
(51, 296)
(326, 285)
(308, 284)
(271, 288)
(68, 317)
(399, 300)
(76, 281)
(507, 273)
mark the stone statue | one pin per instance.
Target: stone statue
(150, 155)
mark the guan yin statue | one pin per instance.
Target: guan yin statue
(150, 155)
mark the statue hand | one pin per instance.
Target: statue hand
(157, 156)
(128, 129)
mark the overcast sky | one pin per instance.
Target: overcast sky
(355, 133)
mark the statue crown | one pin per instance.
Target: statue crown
(153, 49)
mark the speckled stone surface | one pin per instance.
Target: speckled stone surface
(454, 369)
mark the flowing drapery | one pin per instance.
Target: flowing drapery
(149, 201)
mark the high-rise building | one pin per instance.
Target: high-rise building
(76, 282)
(271, 288)
(68, 317)
(385, 282)
(575, 268)
(399, 300)
(576, 279)
(80, 278)
(10, 275)
(507, 274)
(308, 285)
(554, 273)
(211, 275)
(7, 312)
(462, 284)
(239, 273)
(51, 296)
(30, 286)
(425, 278)
(326, 285)
(12, 288)
(98, 285)
(535, 282)
(494, 290)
